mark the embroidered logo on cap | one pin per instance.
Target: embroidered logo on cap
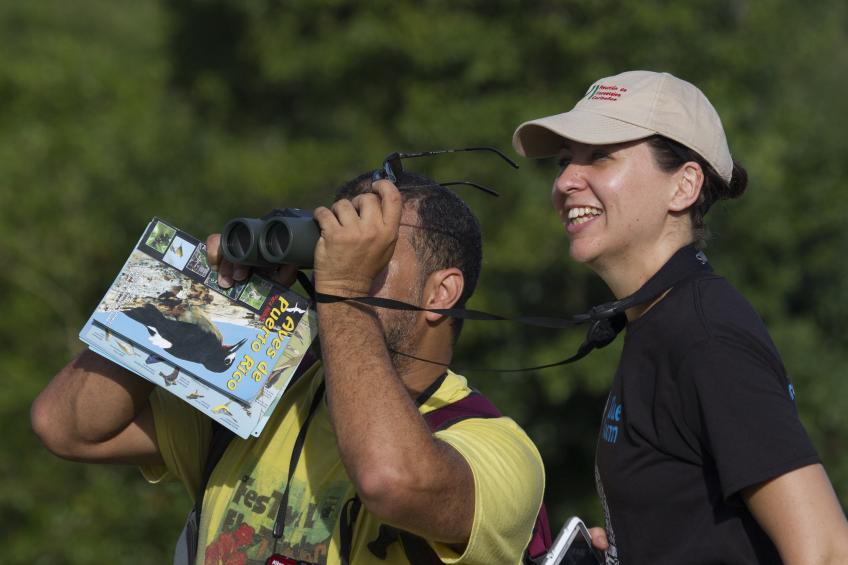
(609, 92)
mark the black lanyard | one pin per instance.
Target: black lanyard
(607, 320)
(280, 521)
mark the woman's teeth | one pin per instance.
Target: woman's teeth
(581, 215)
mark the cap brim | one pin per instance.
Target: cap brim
(544, 137)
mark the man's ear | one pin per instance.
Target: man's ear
(687, 189)
(442, 291)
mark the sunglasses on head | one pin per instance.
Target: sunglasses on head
(393, 166)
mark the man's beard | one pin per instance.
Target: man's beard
(399, 339)
(399, 330)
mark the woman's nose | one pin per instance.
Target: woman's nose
(571, 179)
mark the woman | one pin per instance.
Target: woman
(701, 457)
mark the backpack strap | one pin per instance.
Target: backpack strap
(185, 552)
(475, 405)
(350, 512)
(540, 541)
(416, 549)
(221, 438)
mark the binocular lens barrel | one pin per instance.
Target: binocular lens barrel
(275, 240)
(290, 240)
(239, 242)
(270, 242)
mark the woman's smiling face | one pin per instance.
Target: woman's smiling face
(613, 201)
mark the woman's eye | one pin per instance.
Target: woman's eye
(599, 154)
(563, 163)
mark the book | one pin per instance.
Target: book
(229, 353)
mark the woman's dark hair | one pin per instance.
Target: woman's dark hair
(670, 155)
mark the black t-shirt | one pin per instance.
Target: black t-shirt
(700, 408)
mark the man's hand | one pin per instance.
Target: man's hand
(230, 273)
(357, 240)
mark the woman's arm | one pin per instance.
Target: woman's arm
(801, 514)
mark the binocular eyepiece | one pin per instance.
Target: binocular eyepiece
(286, 236)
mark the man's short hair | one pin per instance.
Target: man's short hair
(448, 234)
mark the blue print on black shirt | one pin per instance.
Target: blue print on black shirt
(612, 420)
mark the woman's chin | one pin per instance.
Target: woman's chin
(583, 251)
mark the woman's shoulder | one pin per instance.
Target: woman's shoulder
(704, 308)
(727, 321)
(721, 307)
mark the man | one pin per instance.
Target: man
(370, 471)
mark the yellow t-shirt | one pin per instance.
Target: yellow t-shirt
(244, 491)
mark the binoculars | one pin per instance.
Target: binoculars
(285, 236)
(289, 235)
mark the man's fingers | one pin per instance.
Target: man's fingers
(240, 272)
(345, 212)
(599, 538)
(365, 209)
(327, 222)
(390, 200)
(286, 275)
(228, 273)
(225, 274)
(213, 250)
(368, 206)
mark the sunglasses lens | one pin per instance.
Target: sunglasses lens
(393, 168)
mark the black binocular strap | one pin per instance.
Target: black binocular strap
(607, 320)
(300, 440)
(221, 437)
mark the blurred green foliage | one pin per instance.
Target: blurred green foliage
(201, 110)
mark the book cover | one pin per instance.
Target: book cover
(228, 352)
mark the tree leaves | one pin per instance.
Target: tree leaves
(199, 111)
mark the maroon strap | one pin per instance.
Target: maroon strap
(417, 550)
(475, 405)
(541, 540)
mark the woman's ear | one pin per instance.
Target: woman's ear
(442, 291)
(687, 189)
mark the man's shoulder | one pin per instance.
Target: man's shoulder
(453, 388)
(471, 419)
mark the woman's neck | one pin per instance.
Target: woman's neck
(626, 274)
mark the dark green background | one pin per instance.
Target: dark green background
(112, 112)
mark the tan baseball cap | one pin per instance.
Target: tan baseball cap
(630, 106)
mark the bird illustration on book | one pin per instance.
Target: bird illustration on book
(275, 375)
(295, 309)
(189, 335)
(194, 395)
(170, 378)
(290, 353)
(297, 334)
(126, 348)
(270, 382)
(223, 409)
(151, 359)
